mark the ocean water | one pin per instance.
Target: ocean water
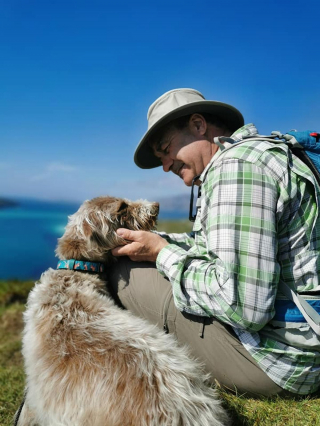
(28, 237)
(29, 233)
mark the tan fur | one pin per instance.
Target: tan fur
(90, 363)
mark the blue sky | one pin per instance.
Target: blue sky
(77, 78)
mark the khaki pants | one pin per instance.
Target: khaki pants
(141, 289)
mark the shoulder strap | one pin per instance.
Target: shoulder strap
(300, 153)
(297, 149)
(311, 315)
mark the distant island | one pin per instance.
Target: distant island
(177, 203)
(173, 207)
(5, 202)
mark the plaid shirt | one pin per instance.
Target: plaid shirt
(258, 223)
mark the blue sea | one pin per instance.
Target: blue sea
(29, 233)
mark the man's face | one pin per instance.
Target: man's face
(185, 152)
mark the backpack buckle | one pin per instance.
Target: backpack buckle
(315, 135)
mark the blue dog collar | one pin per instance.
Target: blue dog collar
(81, 265)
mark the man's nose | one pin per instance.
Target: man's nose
(166, 164)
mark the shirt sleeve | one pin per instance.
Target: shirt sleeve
(185, 240)
(231, 272)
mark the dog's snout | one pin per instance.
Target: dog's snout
(156, 207)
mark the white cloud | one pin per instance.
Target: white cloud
(152, 189)
(51, 169)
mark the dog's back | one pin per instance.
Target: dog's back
(89, 362)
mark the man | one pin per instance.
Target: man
(257, 226)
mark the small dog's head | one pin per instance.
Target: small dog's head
(91, 232)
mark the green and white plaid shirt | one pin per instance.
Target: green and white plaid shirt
(258, 223)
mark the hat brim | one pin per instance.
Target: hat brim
(144, 156)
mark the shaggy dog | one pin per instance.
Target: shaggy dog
(90, 363)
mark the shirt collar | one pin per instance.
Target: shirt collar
(244, 132)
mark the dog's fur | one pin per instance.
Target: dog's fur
(90, 363)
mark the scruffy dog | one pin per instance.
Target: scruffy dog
(90, 363)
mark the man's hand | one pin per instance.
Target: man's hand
(142, 245)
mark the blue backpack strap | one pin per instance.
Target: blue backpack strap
(287, 311)
(309, 313)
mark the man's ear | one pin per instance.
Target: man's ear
(197, 125)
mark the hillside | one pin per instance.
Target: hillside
(5, 202)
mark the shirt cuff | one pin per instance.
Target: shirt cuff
(167, 257)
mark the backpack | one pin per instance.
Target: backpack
(305, 145)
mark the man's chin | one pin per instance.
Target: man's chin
(186, 175)
(187, 181)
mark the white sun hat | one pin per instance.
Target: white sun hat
(175, 104)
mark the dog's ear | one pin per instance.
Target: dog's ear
(122, 207)
(121, 213)
(91, 224)
(87, 230)
(92, 228)
(97, 238)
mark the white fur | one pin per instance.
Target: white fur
(90, 363)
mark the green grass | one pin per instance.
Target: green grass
(171, 226)
(11, 363)
(13, 296)
(244, 411)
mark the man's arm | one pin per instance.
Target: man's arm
(185, 240)
(232, 271)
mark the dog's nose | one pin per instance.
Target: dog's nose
(156, 207)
